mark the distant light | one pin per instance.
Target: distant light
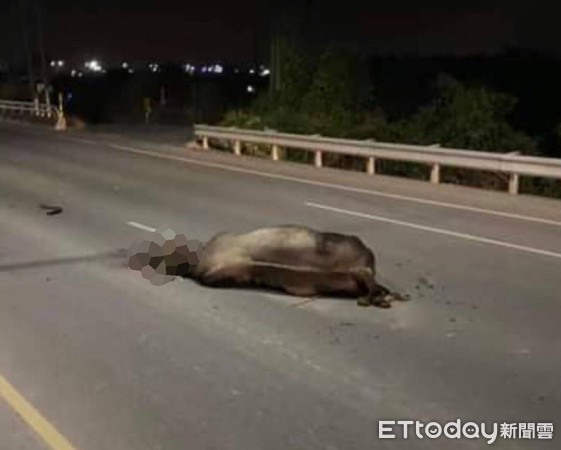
(125, 65)
(251, 71)
(93, 66)
(80, 74)
(73, 73)
(237, 70)
(60, 63)
(153, 67)
(204, 69)
(53, 63)
(250, 89)
(215, 68)
(131, 71)
(265, 72)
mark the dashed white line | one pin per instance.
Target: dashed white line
(373, 192)
(141, 226)
(442, 231)
(339, 187)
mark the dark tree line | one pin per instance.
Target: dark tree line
(469, 104)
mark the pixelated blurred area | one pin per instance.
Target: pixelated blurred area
(164, 257)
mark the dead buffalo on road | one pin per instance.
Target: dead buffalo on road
(292, 258)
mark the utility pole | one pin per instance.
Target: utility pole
(41, 45)
(292, 25)
(27, 49)
(275, 83)
(272, 65)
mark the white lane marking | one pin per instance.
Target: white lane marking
(141, 226)
(469, 237)
(339, 187)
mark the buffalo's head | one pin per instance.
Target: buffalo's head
(166, 256)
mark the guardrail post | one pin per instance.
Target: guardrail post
(318, 159)
(205, 142)
(237, 148)
(513, 183)
(275, 152)
(435, 174)
(371, 166)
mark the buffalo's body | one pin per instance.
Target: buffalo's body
(295, 259)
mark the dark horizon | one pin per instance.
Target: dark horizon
(235, 32)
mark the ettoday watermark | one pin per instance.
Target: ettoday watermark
(468, 430)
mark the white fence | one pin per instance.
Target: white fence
(33, 108)
(512, 164)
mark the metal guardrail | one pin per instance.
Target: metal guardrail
(434, 156)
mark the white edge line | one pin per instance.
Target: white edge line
(469, 237)
(141, 226)
(339, 187)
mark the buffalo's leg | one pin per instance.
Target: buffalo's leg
(301, 282)
(365, 278)
(294, 281)
(227, 276)
(306, 282)
(375, 293)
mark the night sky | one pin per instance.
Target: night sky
(232, 30)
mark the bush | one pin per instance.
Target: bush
(460, 116)
(242, 119)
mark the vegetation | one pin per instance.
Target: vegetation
(459, 115)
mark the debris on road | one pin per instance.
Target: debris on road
(51, 210)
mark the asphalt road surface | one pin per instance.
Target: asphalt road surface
(110, 362)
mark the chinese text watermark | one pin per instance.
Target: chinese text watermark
(467, 430)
